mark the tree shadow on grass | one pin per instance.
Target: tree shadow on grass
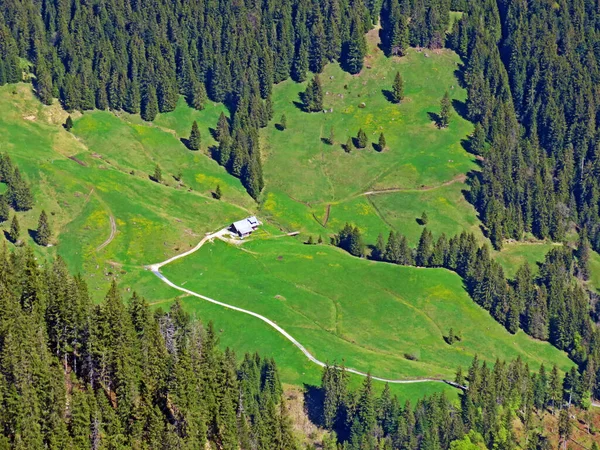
(389, 95)
(213, 133)
(435, 117)
(279, 127)
(300, 105)
(185, 142)
(461, 108)
(32, 234)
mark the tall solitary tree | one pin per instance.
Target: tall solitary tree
(43, 233)
(157, 176)
(381, 144)
(361, 139)
(398, 89)
(283, 122)
(445, 111)
(68, 123)
(15, 230)
(194, 140)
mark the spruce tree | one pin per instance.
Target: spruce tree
(218, 193)
(349, 145)
(354, 48)
(445, 111)
(331, 138)
(424, 219)
(149, 104)
(43, 233)
(361, 139)
(157, 175)
(398, 89)
(68, 123)
(4, 208)
(15, 230)
(381, 144)
(283, 122)
(222, 131)
(194, 140)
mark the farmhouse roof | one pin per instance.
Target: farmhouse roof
(246, 225)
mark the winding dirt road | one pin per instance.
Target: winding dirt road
(113, 231)
(155, 269)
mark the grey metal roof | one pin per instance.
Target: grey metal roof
(246, 225)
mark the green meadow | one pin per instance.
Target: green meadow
(369, 314)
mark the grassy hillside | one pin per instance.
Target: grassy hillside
(370, 314)
(152, 220)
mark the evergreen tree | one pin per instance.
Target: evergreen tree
(354, 48)
(381, 146)
(194, 139)
(4, 209)
(68, 123)
(424, 219)
(361, 139)
(331, 138)
(157, 175)
(43, 233)
(398, 88)
(283, 122)
(349, 145)
(218, 193)
(312, 97)
(15, 230)
(149, 104)
(222, 131)
(445, 111)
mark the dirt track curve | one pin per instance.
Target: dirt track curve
(113, 231)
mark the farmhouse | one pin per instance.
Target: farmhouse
(245, 227)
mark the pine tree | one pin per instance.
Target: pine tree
(424, 219)
(398, 89)
(218, 193)
(361, 139)
(15, 230)
(222, 131)
(583, 255)
(149, 104)
(283, 122)
(331, 138)
(379, 252)
(349, 145)
(310, 240)
(312, 97)
(320, 240)
(445, 111)
(381, 144)
(157, 176)
(68, 123)
(43, 233)
(354, 48)
(4, 208)
(194, 139)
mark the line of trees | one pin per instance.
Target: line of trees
(494, 401)
(117, 374)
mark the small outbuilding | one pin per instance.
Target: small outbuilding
(245, 227)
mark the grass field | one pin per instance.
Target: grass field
(370, 314)
(304, 174)
(152, 220)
